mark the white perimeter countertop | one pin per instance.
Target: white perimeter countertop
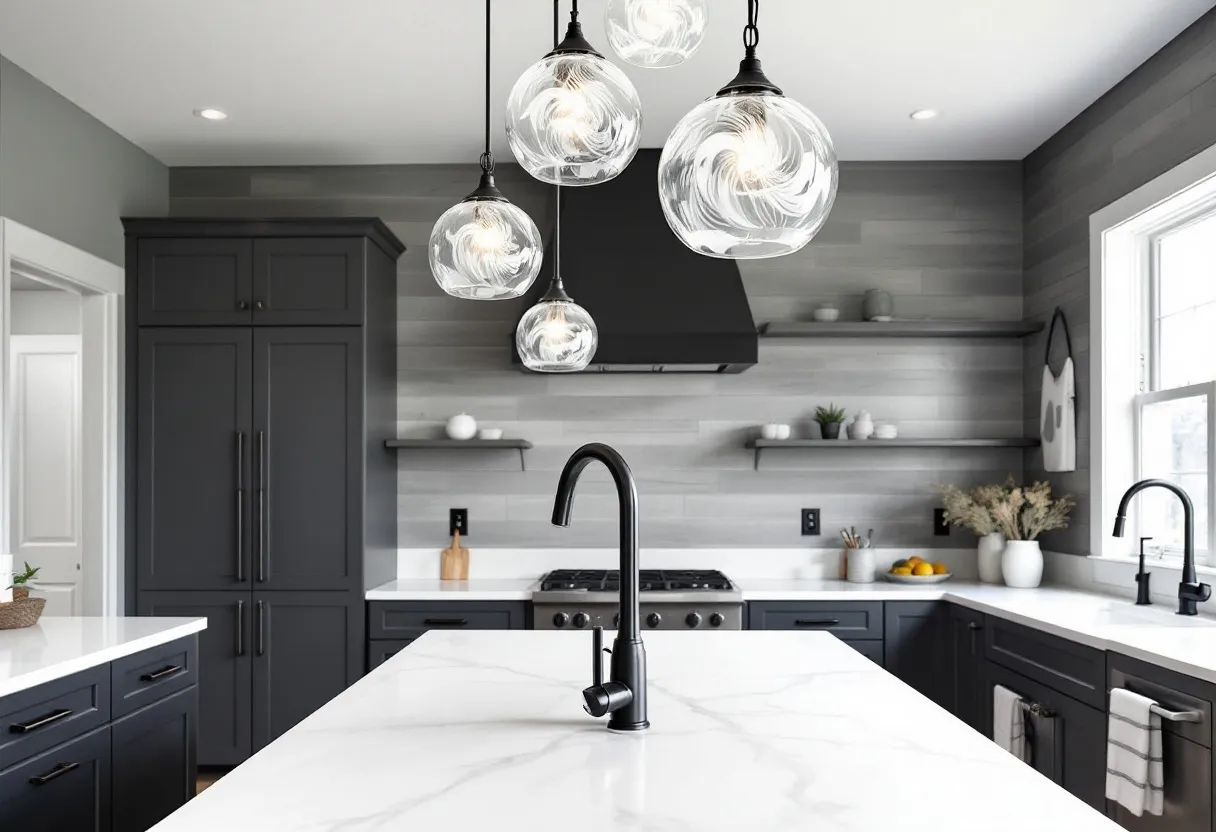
(57, 647)
(1154, 634)
(750, 730)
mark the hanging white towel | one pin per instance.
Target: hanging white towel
(1058, 419)
(1009, 723)
(1135, 777)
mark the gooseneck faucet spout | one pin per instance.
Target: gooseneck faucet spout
(624, 694)
(1190, 590)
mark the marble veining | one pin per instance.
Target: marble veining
(56, 647)
(751, 731)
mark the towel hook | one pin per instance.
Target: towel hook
(1057, 315)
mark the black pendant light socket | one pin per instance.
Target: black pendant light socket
(486, 190)
(574, 43)
(751, 77)
(555, 292)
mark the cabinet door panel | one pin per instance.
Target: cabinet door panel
(65, 788)
(967, 642)
(916, 647)
(308, 414)
(154, 761)
(308, 648)
(194, 448)
(191, 282)
(225, 657)
(301, 282)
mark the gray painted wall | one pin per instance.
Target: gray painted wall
(1159, 116)
(65, 173)
(945, 239)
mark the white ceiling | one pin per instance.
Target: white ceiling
(384, 81)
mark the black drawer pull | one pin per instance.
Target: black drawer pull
(26, 727)
(58, 771)
(816, 622)
(446, 622)
(162, 673)
(972, 625)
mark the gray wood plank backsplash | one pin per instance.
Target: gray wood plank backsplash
(944, 238)
(1157, 117)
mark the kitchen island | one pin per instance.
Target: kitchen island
(750, 730)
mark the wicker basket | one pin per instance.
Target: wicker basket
(24, 612)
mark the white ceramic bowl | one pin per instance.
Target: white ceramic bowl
(783, 431)
(770, 430)
(826, 314)
(885, 431)
(490, 433)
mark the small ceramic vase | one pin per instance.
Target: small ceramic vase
(462, 426)
(877, 305)
(1022, 564)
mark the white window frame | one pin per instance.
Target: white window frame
(1122, 251)
(1207, 391)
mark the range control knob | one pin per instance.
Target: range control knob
(693, 619)
(653, 620)
(716, 620)
(581, 620)
(561, 620)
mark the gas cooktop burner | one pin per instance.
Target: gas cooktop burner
(651, 580)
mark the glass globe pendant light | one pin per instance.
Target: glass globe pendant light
(655, 33)
(748, 173)
(556, 335)
(485, 248)
(573, 118)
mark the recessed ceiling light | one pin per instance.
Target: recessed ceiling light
(922, 115)
(211, 114)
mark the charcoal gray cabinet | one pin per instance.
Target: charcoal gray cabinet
(153, 770)
(394, 625)
(308, 648)
(226, 668)
(188, 281)
(299, 281)
(308, 457)
(917, 647)
(1067, 737)
(193, 483)
(968, 701)
(64, 788)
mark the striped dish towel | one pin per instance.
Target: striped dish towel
(1009, 723)
(1135, 778)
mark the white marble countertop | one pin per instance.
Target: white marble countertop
(750, 730)
(478, 589)
(56, 647)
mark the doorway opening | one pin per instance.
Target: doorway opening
(60, 484)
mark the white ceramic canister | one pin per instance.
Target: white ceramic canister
(859, 567)
(462, 426)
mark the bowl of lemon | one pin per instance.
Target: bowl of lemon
(917, 570)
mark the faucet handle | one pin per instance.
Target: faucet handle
(603, 697)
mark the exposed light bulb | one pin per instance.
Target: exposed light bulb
(489, 235)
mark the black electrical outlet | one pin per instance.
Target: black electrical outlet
(810, 522)
(458, 521)
(940, 527)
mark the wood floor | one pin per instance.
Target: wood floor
(207, 778)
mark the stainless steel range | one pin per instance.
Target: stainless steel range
(672, 599)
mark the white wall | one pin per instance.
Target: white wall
(45, 313)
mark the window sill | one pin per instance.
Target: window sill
(1152, 563)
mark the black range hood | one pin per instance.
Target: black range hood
(658, 306)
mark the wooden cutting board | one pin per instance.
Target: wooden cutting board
(454, 561)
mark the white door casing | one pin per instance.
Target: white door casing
(46, 481)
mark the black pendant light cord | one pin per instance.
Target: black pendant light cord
(557, 231)
(751, 32)
(487, 158)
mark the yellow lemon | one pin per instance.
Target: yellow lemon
(922, 569)
(902, 570)
(914, 560)
(940, 569)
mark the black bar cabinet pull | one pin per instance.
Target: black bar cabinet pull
(261, 648)
(58, 771)
(974, 627)
(240, 628)
(261, 451)
(41, 722)
(446, 622)
(162, 673)
(240, 506)
(816, 622)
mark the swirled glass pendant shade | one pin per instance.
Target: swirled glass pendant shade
(573, 118)
(655, 33)
(485, 249)
(748, 175)
(556, 336)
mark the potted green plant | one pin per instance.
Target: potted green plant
(830, 419)
(21, 581)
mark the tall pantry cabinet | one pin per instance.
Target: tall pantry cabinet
(260, 386)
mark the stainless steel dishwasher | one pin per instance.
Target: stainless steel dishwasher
(1186, 741)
